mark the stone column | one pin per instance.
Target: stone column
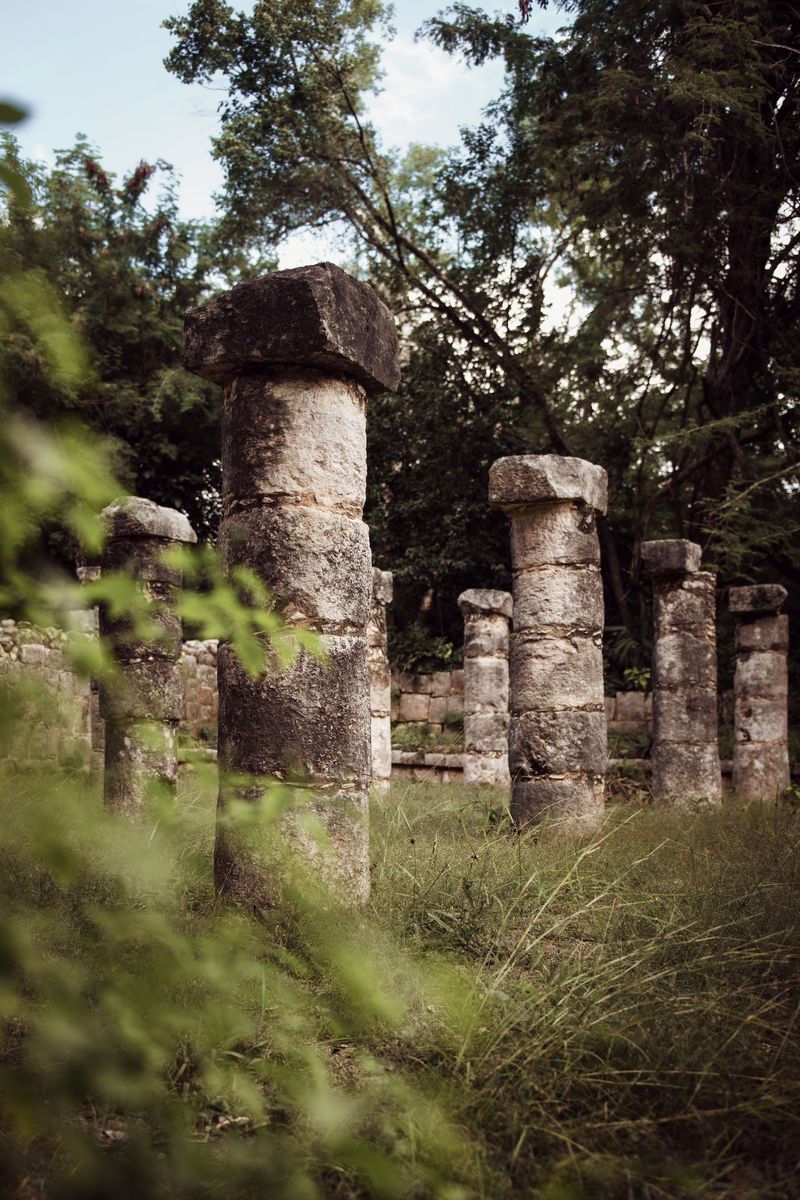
(685, 752)
(97, 733)
(760, 748)
(486, 616)
(143, 703)
(380, 680)
(298, 352)
(557, 737)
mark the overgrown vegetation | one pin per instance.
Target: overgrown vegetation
(511, 1016)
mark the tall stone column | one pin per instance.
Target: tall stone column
(142, 704)
(486, 615)
(685, 751)
(760, 686)
(298, 352)
(380, 680)
(557, 738)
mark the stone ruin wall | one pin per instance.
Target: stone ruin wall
(198, 666)
(70, 732)
(435, 700)
(60, 719)
(76, 738)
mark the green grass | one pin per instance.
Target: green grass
(511, 1016)
(635, 1029)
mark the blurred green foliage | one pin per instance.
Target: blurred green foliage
(153, 1042)
(125, 268)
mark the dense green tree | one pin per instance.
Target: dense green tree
(126, 268)
(647, 157)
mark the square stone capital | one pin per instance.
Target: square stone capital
(670, 556)
(536, 478)
(135, 517)
(485, 600)
(317, 316)
(759, 598)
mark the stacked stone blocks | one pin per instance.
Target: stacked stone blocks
(49, 699)
(380, 679)
(198, 667)
(143, 702)
(297, 352)
(487, 614)
(557, 740)
(761, 750)
(685, 751)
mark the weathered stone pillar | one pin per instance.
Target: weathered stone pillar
(486, 616)
(380, 680)
(142, 704)
(685, 752)
(297, 351)
(557, 738)
(97, 732)
(760, 748)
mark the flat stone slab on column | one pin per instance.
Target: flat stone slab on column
(316, 316)
(757, 599)
(526, 479)
(672, 556)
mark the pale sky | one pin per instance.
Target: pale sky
(96, 67)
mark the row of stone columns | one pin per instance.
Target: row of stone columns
(297, 353)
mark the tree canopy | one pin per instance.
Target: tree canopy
(126, 268)
(646, 158)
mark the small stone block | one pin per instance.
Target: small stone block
(670, 556)
(485, 600)
(533, 478)
(440, 683)
(759, 598)
(414, 706)
(133, 516)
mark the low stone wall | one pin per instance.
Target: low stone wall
(56, 712)
(629, 712)
(198, 666)
(414, 767)
(63, 723)
(435, 700)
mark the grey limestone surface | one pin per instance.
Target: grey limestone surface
(760, 687)
(143, 701)
(316, 316)
(557, 738)
(297, 351)
(486, 613)
(685, 753)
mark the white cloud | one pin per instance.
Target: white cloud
(427, 94)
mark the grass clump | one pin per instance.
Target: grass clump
(635, 994)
